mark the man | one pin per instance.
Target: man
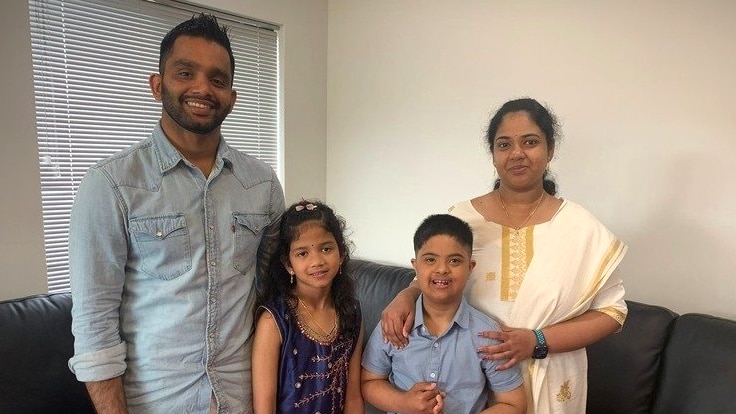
(164, 239)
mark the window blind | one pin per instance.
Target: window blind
(91, 63)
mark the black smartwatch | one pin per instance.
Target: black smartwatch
(541, 350)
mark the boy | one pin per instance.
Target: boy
(439, 370)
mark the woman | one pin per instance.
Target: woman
(546, 268)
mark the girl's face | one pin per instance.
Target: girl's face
(314, 257)
(520, 152)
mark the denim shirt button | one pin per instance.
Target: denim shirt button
(159, 234)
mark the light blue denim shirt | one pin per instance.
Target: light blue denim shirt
(163, 266)
(450, 360)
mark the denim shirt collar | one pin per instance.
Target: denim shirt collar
(462, 316)
(168, 156)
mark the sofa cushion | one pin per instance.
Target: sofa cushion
(699, 367)
(628, 363)
(35, 345)
(375, 286)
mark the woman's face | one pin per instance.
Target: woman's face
(520, 152)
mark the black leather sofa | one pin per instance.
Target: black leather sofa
(660, 363)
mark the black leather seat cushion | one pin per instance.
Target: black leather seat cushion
(35, 344)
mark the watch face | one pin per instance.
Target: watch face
(540, 352)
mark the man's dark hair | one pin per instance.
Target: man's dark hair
(204, 26)
(443, 224)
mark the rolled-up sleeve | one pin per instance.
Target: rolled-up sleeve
(98, 246)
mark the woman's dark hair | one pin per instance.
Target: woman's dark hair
(277, 281)
(204, 26)
(540, 115)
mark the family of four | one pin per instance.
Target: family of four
(195, 290)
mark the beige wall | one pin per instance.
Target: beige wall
(304, 80)
(644, 91)
(22, 263)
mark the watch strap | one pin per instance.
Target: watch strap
(541, 341)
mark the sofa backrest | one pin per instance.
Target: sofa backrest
(375, 286)
(699, 367)
(35, 344)
(628, 363)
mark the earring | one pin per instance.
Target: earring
(291, 272)
(340, 269)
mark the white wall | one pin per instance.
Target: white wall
(644, 91)
(304, 79)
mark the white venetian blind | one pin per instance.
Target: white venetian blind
(91, 63)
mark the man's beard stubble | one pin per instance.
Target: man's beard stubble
(175, 109)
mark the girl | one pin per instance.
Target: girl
(306, 351)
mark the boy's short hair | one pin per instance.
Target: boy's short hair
(443, 224)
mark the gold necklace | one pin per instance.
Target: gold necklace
(539, 202)
(322, 336)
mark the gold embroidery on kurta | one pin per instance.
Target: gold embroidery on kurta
(616, 314)
(564, 393)
(517, 249)
(490, 276)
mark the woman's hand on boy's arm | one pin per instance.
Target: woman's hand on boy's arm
(419, 399)
(570, 335)
(515, 345)
(398, 317)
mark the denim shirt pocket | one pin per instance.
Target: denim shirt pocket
(163, 245)
(248, 231)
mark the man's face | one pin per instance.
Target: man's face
(443, 266)
(196, 86)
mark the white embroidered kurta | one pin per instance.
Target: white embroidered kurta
(540, 275)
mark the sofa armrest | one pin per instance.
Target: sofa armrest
(35, 344)
(699, 367)
(624, 368)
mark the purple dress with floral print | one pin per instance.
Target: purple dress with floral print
(313, 376)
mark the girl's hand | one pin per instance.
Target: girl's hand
(516, 346)
(398, 317)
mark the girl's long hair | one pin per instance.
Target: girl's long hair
(277, 281)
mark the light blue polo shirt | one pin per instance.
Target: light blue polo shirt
(450, 360)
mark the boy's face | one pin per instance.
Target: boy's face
(443, 265)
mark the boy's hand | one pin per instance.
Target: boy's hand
(424, 397)
(440, 398)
